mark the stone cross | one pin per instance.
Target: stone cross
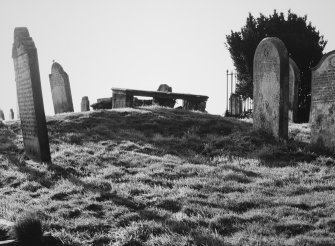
(271, 87)
(322, 114)
(60, 89)
(29, 93)
(85, 104)
(294, 82)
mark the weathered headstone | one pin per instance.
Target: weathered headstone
(11, 114)
(85, 104)
(271, 87)
(322, 116)
(60, 89)
(29, 93)
(294, 82)
(2, 116)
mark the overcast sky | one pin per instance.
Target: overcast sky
(138, 44)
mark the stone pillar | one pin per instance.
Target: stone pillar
(294, 83)
(85, 104)
(271, 87)
(2, 116)
(29, 94)
(60, 89)
(11, 114)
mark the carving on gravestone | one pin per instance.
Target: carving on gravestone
(2, 116)
(322, 115)
(294, 82)
(11, 114)
(85, 104)
(60, 89)
(270, 79)
(29, 94)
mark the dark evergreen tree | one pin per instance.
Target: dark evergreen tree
(303, 42)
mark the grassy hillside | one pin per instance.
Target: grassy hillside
(156, 176)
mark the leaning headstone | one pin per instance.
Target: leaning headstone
(29, 93)
(294, 82)
(11, 114)
(2, 116)
(85, 104)
(60, 89)
(271, 88)
(322, 116)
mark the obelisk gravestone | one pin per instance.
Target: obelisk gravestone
(29, 93)
(271, 88)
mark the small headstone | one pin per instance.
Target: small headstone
(271, 87)
(11, 114)
(294, 82)
(29, 93)
(2, 116)
(85, 104)
(60, 89)
(322, 116)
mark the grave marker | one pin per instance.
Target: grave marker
(271, 88)
(11, 114)
(29, 93)
(2, 116)
(85, 104)
(294, 82)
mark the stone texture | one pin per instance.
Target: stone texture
(85, 104)
(11, 114)
(60, 89)
(29, 93)
(2, 116)
(322, 116)
(165, 102)
(294, 82)
(236, 104)
(271, 87)
(103, 103)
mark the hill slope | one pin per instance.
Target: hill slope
(155, 176)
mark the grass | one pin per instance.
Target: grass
(156, 176)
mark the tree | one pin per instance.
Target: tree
(303, 42)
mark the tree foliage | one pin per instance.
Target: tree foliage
(303, 42)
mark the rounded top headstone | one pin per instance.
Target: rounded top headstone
(164, 88)
(331, 63)
(265, 49)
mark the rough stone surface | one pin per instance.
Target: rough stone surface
(29, 93)
(11, 114)
(322, 116)
(294, 82)
(2, 116)
(60, 89)
(85, 104)
(271, 87)
(236, 104)
(165, 102)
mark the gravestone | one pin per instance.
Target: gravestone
(2, 116)
(29, 94)
(165, 102)
(322, 116)
(85, 104)
(271, 88)
(60, 89)
(11, 114)
(294, 82)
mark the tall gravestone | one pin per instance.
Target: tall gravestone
(322, 116)
(271, 87)
(85, 104)
(29, 93)
(60, 89)
(294, 82)
(11, 114)
(2, 116)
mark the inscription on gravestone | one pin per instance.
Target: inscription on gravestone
(322, 116)
(29, 93)
(60, 89)
(270, 78)
(294, 82)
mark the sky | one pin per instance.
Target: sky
(138, 44)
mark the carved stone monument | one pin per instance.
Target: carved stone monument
(322, 116)
(271, 87)
(85, 104)
(11, 114)
(60, 89)
(2, 116)
(29, 93)
(294, 82)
